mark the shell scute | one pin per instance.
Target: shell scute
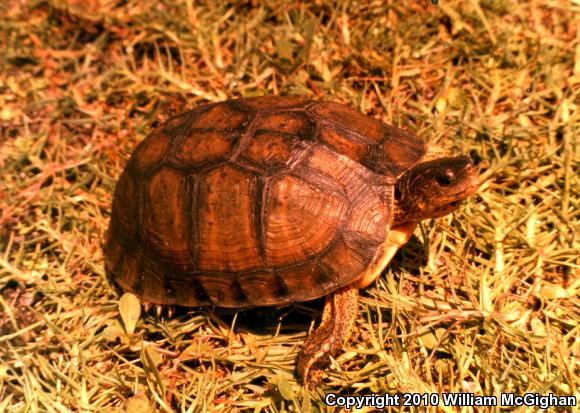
(371, 213)
(401, 149)
(228, 239)
(125, 205)
(165, 226)
(152, 283)
(351, 177)
(223, 290)
(340, 258)
(301, 220)
(290, 123)
(306, 279)
(222, 116)
(200, 148)
(188, 291)
(336, 115)
(262, 287)
(129, 266)
(352, 146)
(151, 151)
(269, 149)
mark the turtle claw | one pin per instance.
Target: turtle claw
(159, 309)
(309, 376)
(312, 377)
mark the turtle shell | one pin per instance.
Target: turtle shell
(256, 202)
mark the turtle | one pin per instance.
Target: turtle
(273, 200)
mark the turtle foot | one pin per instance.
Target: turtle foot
(338, 318)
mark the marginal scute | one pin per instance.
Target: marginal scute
(125, 209)
(222, 290)
(154, 284)
(220, 116)
(150, 152)
(300, 220)
(351, 146)
(261, 288)
(304, 280)
(200, 148)
(165, 223)
(337, 115)
(188, 292)
(343, 261)
(269, 149)
(402, 148)
(112, 248)
(281, 122)
(128, 267)
(228, 239)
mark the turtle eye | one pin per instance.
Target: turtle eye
(446, 178)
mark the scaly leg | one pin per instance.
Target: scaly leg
(338, 318)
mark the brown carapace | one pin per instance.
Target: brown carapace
(273, 200)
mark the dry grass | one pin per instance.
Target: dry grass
(484, 301)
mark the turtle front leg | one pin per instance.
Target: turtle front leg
(338, 318)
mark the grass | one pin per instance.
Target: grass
(484, 301)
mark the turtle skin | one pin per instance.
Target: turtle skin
(256, 202)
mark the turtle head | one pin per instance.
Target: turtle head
(434, 188)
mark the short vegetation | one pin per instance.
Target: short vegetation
(483, 301)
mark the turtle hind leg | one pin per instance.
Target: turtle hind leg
(338, 318)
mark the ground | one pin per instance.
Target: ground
(483, 301)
